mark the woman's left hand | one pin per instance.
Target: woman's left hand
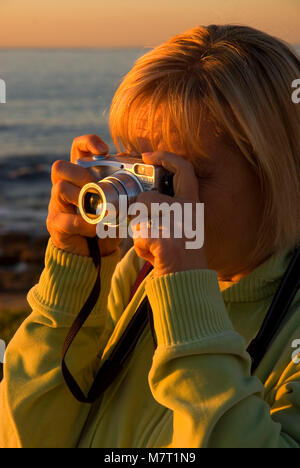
(170, 255)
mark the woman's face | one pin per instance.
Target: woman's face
(232, 198)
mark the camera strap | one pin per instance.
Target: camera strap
(277, 312)
(114, 364)
(112, 367)
(79, 321)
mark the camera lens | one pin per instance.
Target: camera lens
(99, 200)
(91, 203)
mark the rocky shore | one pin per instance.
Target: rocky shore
(21, 263)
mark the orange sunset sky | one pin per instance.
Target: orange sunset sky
(126, 23)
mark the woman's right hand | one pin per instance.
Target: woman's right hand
(68, 229)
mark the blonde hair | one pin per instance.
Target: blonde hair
(243, 78)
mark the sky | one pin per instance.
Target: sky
(135, 23)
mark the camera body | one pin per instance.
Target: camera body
(116, 175)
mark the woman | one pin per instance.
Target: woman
(212, 105)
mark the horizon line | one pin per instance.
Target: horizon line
(77, 47)
(90, 47)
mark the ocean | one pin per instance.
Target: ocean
(52, 97)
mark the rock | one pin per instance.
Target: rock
(21, 261)
(20, 280)
(35, 251)
(12, 245)
(13, 302)
(7, 261)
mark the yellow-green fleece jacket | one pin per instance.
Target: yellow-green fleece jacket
(194, 390)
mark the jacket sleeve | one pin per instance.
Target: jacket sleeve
(36, 407)
(201, 372)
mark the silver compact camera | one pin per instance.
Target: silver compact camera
(121, 174)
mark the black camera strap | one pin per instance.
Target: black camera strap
(277, 312)
(80, 320)
(112, 367)
(114, 364)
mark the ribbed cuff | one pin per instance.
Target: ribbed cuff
(66, 283)
(187, 307)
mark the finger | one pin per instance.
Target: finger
(64, 197)
(185, 181)
(70, 224)
(161, 223)
(142, 249)
(86, 145)
(170, 161)
(77, 175)
(140, 228)
(163, 214)
(150, 197)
